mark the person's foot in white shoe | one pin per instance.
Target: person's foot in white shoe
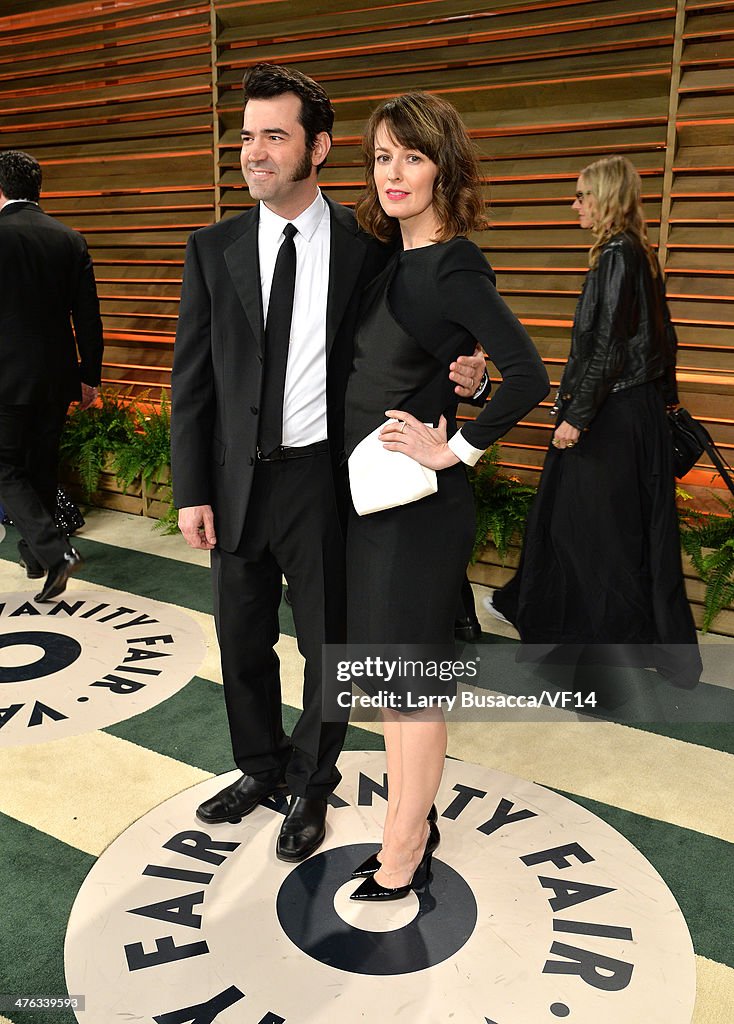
(487, 602)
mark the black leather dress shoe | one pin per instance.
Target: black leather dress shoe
(242, 797)
(303, 830)
(467, 628)
(58, 575)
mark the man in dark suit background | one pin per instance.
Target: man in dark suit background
(271, 505)
(47, 284)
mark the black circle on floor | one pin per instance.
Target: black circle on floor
(60, 651)
(446, 918)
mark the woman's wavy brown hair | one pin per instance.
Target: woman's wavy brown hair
(616, 187)
(431, 126)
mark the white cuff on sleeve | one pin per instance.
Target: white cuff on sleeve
(465, 451)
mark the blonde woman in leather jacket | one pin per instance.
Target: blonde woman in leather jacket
(601, 560)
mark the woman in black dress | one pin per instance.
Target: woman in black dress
(432, 303)
(601, 560)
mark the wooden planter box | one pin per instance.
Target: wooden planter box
(139, 499)
(489, 571)
(109, 493)
(156, 495)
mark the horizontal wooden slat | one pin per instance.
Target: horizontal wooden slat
(115, 101)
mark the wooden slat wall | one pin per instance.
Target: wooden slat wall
(700, 259)
(134, 108)
(114, 99)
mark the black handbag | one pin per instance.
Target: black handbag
(690, 439)
(687, 439)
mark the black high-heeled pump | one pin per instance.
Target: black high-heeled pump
(372, 864)
(371, 890)
(367, 867)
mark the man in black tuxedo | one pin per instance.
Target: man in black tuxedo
(263, 351)
(47, 284)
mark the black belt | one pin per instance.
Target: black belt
(281, 453)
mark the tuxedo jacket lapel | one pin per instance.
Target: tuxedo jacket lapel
(243, 265)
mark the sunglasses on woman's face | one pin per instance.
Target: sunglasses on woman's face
(580, 195)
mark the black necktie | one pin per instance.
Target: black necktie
(277, 339)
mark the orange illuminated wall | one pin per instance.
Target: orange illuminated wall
(115, 100)
(134, 109)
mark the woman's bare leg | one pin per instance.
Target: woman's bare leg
(422, 753)
(394, 757)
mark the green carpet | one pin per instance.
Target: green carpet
(41, 877)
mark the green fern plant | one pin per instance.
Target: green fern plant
(90, 435)
(135, 434)
(168, 522)
(147, 453)
(502, 504)
(709, 540)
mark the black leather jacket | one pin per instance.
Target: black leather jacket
(622, 335)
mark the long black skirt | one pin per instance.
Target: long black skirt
(601, 560)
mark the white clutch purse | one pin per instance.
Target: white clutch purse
(381, 479)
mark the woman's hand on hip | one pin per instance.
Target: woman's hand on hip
(427, 445)
(565, 436)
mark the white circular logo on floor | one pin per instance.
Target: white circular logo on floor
(87, 660)
(536, 911)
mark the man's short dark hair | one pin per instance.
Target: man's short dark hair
(264, 81)
(20, 175)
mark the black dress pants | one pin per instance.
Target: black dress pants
(29, 456)
(292, 529)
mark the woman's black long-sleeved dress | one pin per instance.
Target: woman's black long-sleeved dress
(601, 559)
(405, 565)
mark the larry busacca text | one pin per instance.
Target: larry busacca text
(466, 699)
